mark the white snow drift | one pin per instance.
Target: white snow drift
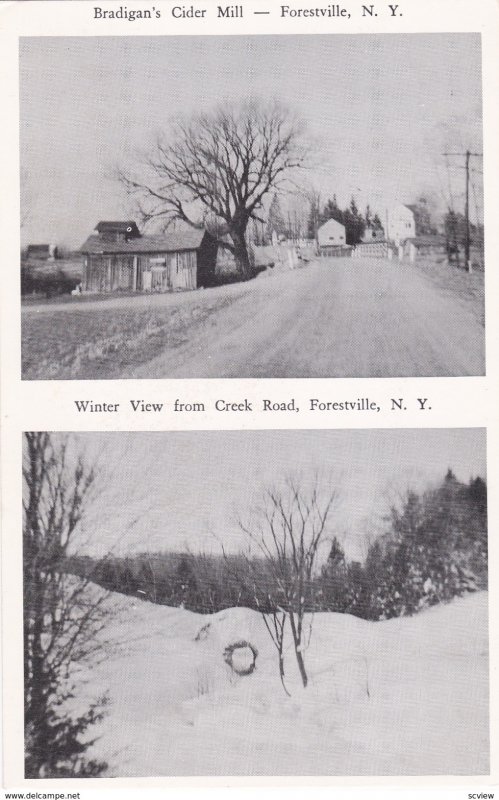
(404, 697)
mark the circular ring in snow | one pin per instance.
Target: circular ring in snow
(241, 657)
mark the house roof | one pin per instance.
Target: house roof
(164, 243)
(401, 207)
(370, 242)
(331, 223)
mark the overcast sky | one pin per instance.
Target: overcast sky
(177, 490)
(381, 109)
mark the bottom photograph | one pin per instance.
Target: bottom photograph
(255, 603)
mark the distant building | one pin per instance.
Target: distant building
(430, 245)
(118, 257)
(401, 224)
(41, 252)
(373, 234)
(331, 237)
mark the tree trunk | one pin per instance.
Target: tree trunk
(241, 255)
(281, 672)
(298, 652)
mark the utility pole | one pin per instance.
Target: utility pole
(467, 241)
(467, 259)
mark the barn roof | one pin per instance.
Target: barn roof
(161, 243)
(126, 226)
(39, 248)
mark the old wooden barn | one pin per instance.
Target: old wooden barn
(117, 257)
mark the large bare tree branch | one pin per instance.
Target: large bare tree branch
(222, 163)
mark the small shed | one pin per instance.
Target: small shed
(373, 234)
(331, 238)
(431, 245)
(41, 252)
(118, 258)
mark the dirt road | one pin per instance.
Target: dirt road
(336, 318)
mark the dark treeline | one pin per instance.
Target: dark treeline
(434, 549)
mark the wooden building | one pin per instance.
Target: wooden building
(41, 252)
(400, 224)
(430, 245)
(118, 258)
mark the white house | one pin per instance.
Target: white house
(401, 224)
(331, 235)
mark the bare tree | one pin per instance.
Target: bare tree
(287, 533)
(217, 168)
(248, 571)
(63, 616)
(275, 622)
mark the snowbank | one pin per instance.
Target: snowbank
(406, 696)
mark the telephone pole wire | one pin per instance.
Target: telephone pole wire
(467, 242)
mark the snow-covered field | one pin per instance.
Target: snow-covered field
(404, 697)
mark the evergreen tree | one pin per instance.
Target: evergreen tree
(378, 226)
(335, 580)
(436, 549)
(332, 211)
(354, 224)
(276, 223)
(62, 616)
(368, 217)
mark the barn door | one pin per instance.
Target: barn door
(185, 274)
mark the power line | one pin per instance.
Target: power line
(467, 156)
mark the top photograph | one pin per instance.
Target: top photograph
(288, 206)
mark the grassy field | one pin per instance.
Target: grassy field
(470, 287)
(101, 338)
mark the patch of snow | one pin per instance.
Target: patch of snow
(408, 696)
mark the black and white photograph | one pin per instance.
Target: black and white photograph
(255, 603)
(260, 206)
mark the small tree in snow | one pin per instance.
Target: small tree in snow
(287, 532)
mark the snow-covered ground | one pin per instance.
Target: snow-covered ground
(404, 697)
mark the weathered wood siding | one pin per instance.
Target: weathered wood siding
(158, 272)
(108, 273)
(167, 271)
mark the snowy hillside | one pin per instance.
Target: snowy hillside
(404, 697)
